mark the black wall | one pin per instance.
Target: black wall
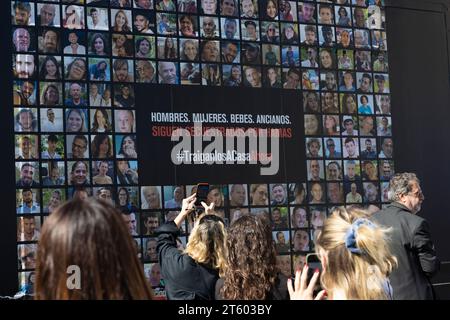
(419, 68)
(419, 60)
(8, 229)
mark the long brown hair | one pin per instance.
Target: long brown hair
(89, 234)
(251, 261)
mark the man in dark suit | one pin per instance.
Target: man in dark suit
(410, 239)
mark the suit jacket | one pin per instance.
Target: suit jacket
(411, 244)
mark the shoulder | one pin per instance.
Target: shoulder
(218, 288)
(398, 212)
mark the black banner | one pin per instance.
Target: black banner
(162, 109)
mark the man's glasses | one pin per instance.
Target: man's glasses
(74, 145)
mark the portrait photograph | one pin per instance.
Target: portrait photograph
(52, 147)
(73, 17)
(52, 199)
(310, 79)
(24, 92)
(22, 13)
(26, 146)
(28, 201)
(99, 69)
(308, 35)
(145, 47)
(28, 228)
(22, 39)
(232, 75)
(282, 241)
(126, 146)
(272, 77)
(98, 43)
(48, 15)
(271, 54)
(97, 18)
(25, 119)
(77, 146)
(74, 42)
(167, 48)
(209, 26)
(53, 173)
(345, 59)
(102, 173)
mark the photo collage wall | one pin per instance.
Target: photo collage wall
(76, 65)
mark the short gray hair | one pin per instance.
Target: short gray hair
(401, 184)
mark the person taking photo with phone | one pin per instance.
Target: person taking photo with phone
(192, 274)
(356, 260)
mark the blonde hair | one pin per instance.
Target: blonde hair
(361, 275)
(207, 243)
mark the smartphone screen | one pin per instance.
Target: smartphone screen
(202, 193)
(313, 261)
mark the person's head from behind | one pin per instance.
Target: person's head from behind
(251, 259)
(91, 235)
(355, 256)
(405, 189)
(207, 242)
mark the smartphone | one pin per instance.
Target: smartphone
(313, 262)
(202, 193)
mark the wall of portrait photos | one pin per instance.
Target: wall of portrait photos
(76, 68)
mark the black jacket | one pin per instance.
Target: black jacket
(184, 278)
(279, 291)
(411, 244)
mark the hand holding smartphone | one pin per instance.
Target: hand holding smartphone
(201, 196)
(314, 263)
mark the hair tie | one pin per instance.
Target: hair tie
(350, 236)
